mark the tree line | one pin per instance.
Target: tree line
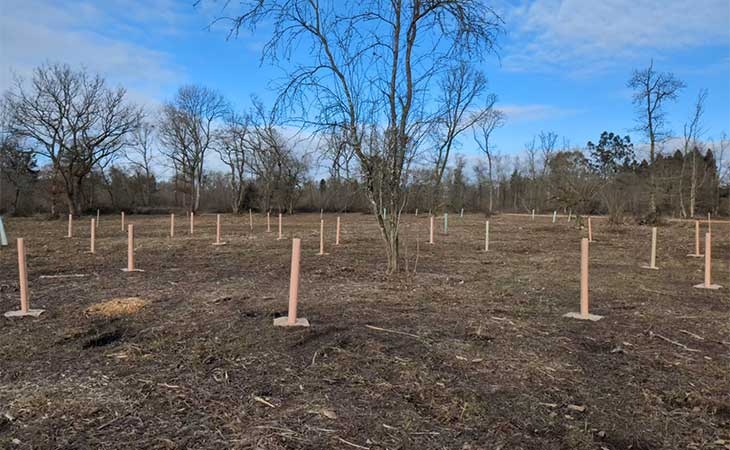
(387, 94)
(265, 172)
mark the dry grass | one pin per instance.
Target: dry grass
(117, 307)
(476, 352)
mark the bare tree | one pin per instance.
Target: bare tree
(341, 189)
(73, 119)
(141, 156)
(693, 132)
(461, 87)
(187, 129)
(482, 131)
(18, 167)
(370, 72)
(336, 148)
(548, 140)
(651, 91)
(721, 150)
(573, 181)
(234, 146)
(531, 163)
(279, 170)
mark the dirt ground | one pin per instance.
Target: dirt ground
(470, 352)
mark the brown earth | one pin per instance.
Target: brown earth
(475, 352)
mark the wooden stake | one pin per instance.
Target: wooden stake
(218, 230)
(291, 318)
(584, 313)
(123, 227)
(555, 216)
(416, 212)
(337, 234)
(92, 243)
(590, 230)
(321, 237)
(192, 223)
(652, 264)
(486, 237)
(70, 226)
(462, 212)
(268, 221)
(708, 258)
(709, 223)
(294, 281)
(584, 277)
(446, 223)
(3, 236)
(23, 283)
(172, 226)
(250, 219)
(708, 266)
(97, 218)
(23, 277)
(533, 214)
(697, 253)
(130, 250)
(280, 235)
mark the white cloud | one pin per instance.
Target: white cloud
(587, 36)
(33, 32)
(533, 112)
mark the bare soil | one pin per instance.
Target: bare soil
(470, 352)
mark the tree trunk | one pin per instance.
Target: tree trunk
(652, 183)
(196, 194)
(70, 202)
(693, 187)
(17, 197)
(389, 231)
(680, 189)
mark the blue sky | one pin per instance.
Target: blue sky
(562, 66)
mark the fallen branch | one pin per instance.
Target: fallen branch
(261, 400)
(678, 344)
(653, 291)
(351, 444)
(70, 275)
(696, 336)
(393, 331)
(502, 319)
(314, 357)
(101, 427)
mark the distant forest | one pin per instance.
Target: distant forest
(71, 143)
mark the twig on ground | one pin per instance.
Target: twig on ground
(678, 344)
(393, 331)
(351, 444)
(106, 424)
(314, 357)
(261, 400)
(70, 275)
(502, 319)
(696, 336)
(652, 291)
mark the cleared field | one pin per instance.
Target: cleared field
(475, 352)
